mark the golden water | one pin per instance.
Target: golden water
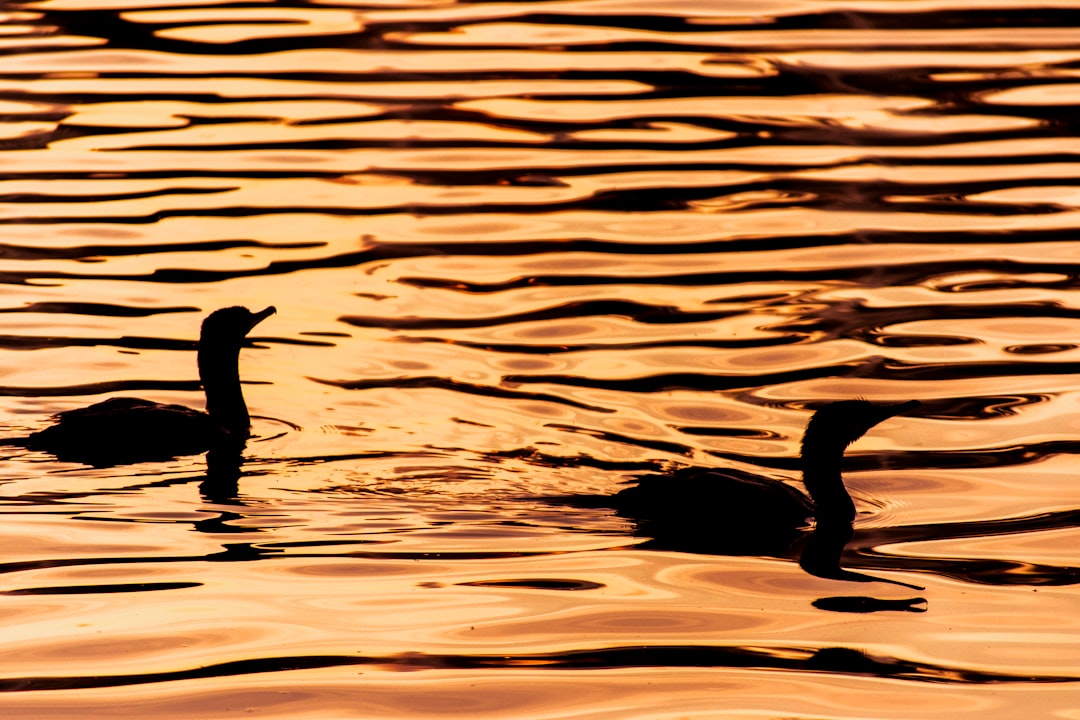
(524, 250)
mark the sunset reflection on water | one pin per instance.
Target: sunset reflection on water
(526, 251)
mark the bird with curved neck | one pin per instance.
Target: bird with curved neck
(828, 434)
(127, 430)
(733, 512)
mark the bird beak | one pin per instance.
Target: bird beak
(895, 409)
(262, 315)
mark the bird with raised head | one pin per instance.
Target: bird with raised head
(125, 430)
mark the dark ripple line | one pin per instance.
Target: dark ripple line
(94, 589)
(640, 312)
(193, 276)
(855, 19)
(858, 194)
(42, 197)
(97, 309)
(547, 349)
(876, 367)
(83, 252)
(835, 320)
(877, 275)
(226, 669)
(100, 387)
(689, 381)
(665, 81)
(251, 552)
(537, 584)
(830, 660)
(981, 458)
(765, 48)
(559, 138)
(661, 445)
(757, 243)
(41, 342)
(534, 456)
(428, 381)
(231, 552)
(982, 571)
(898, 370)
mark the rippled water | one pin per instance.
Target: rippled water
(527, 250)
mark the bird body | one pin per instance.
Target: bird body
(725, 491)
(125, 430)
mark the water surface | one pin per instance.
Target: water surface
(528, 250)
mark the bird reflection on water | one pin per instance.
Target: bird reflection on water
(129, 430)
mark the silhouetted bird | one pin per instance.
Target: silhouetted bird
(733, 512)
(128, 430)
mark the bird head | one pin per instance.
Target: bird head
(845, 421)
(232, 324)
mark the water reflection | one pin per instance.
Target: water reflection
(223, 472)
(533, 251)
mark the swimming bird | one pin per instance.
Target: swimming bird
(734, 512)
(125, 430)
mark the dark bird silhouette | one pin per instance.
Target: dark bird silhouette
(128, 430)
(733, 512)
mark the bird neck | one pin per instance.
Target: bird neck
(220, 375)
(821, 460)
